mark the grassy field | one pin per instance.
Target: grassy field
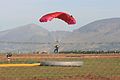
(97, 67)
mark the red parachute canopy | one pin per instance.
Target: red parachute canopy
(60, 15)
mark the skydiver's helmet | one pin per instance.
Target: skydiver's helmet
(56, 46)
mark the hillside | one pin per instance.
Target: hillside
(26, 33)
(30, 37)
(97, 35)
(101, 35)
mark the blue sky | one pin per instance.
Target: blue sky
(15, 13)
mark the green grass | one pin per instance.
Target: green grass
(100, 67)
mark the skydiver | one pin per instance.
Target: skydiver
(56, 49)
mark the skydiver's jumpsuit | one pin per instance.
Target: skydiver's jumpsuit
(56, 49)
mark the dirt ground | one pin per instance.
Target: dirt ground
(83, 77)
(46, 56)
(40, 56)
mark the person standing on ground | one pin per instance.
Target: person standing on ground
(9, 55)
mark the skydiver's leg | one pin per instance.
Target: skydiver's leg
(57, 50)
(54, 50)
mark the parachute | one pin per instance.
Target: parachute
(69, 19)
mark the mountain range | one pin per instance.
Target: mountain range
(98, 35)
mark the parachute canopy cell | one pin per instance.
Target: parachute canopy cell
(60, 15)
